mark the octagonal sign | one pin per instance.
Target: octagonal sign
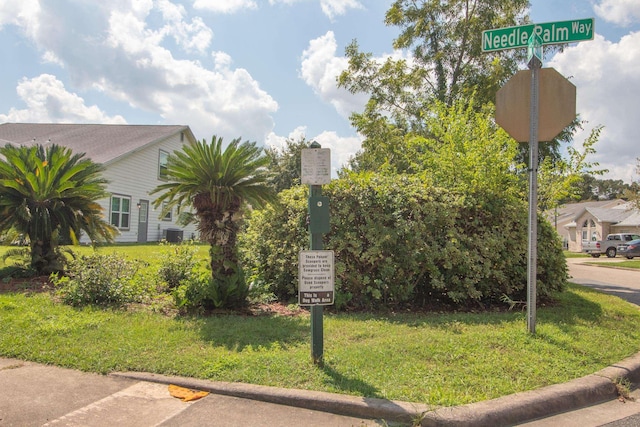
(556, 101)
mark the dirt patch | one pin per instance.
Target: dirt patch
(32, 284)
(276, 308)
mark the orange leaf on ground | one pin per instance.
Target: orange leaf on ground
(186, 394)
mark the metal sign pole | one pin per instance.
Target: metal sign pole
(535, 63)
(317, 332)
(315, 237)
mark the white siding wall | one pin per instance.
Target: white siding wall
(136, 175)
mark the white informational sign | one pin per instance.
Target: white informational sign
(316, 277)
(316, 166)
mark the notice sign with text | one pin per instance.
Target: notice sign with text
(316, 277)
(316, 166)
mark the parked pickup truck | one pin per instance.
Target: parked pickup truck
(608, 246)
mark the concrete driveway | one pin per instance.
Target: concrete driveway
(624, 283)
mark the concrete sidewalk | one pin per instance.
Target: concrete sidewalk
(37, 395)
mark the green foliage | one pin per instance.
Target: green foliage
(269, 247)
(50, 195)
(466, 152)
(447, 62)
(201, 293)
(285, 164)
(398, 241)
(559, 179)
(177, 263)
(103, 280)
(219, 184)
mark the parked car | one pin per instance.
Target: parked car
(630, 249)
(609, 246)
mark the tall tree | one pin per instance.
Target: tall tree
(219, 184)
(559, 180)
(286, 163)
(466, 152)
(445, 64)
(50, 195)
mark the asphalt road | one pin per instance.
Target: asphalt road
(623, 283)
(626, 285)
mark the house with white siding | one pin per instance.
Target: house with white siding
(134, 158)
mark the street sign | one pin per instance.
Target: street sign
(316, 166)
(549, 33)
(316, 277)
(556, 105)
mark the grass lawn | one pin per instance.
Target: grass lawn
(439, 358)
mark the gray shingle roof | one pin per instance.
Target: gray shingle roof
(101, 143)
(632, 220)
(609, 215)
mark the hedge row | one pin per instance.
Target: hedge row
(399, 242)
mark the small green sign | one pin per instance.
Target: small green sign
(549, 33)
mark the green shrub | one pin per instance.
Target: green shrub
(398, 241)
(97, 279)
(202, 292)
(177, 263)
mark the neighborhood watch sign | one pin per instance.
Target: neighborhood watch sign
(548, 33)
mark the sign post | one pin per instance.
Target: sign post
(510, 117)
(316, 267)
(535, 63)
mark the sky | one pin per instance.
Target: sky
(265, 70)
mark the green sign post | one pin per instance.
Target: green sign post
(316, 265)
(549, 33)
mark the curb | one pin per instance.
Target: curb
(503, 411)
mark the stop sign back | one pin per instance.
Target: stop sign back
(556, 101)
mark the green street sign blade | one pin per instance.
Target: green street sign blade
(549, 32)
(534, 49)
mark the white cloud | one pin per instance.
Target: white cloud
(47, 100)
(225, 6)
(194, 36)
(607, 78)
(342, 149)
(280, 142)
(333, 8)
(113, 47)
(621, 12)
(321, 67)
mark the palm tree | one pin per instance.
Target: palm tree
(49, 195)
(219, 185)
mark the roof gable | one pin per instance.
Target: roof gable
(101, 143)
(612, 216)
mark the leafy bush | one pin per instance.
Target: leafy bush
(399, 241)
(177, 263)
(97, 279)
(203, 293)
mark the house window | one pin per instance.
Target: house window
(162, 164)
(120, 211)
(169, 215)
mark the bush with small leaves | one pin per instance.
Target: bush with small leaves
(399, 241)
(177, 263)
(99, 279)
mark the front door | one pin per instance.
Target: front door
(143, 221)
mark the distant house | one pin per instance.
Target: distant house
(134, 158)
(578, 222)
